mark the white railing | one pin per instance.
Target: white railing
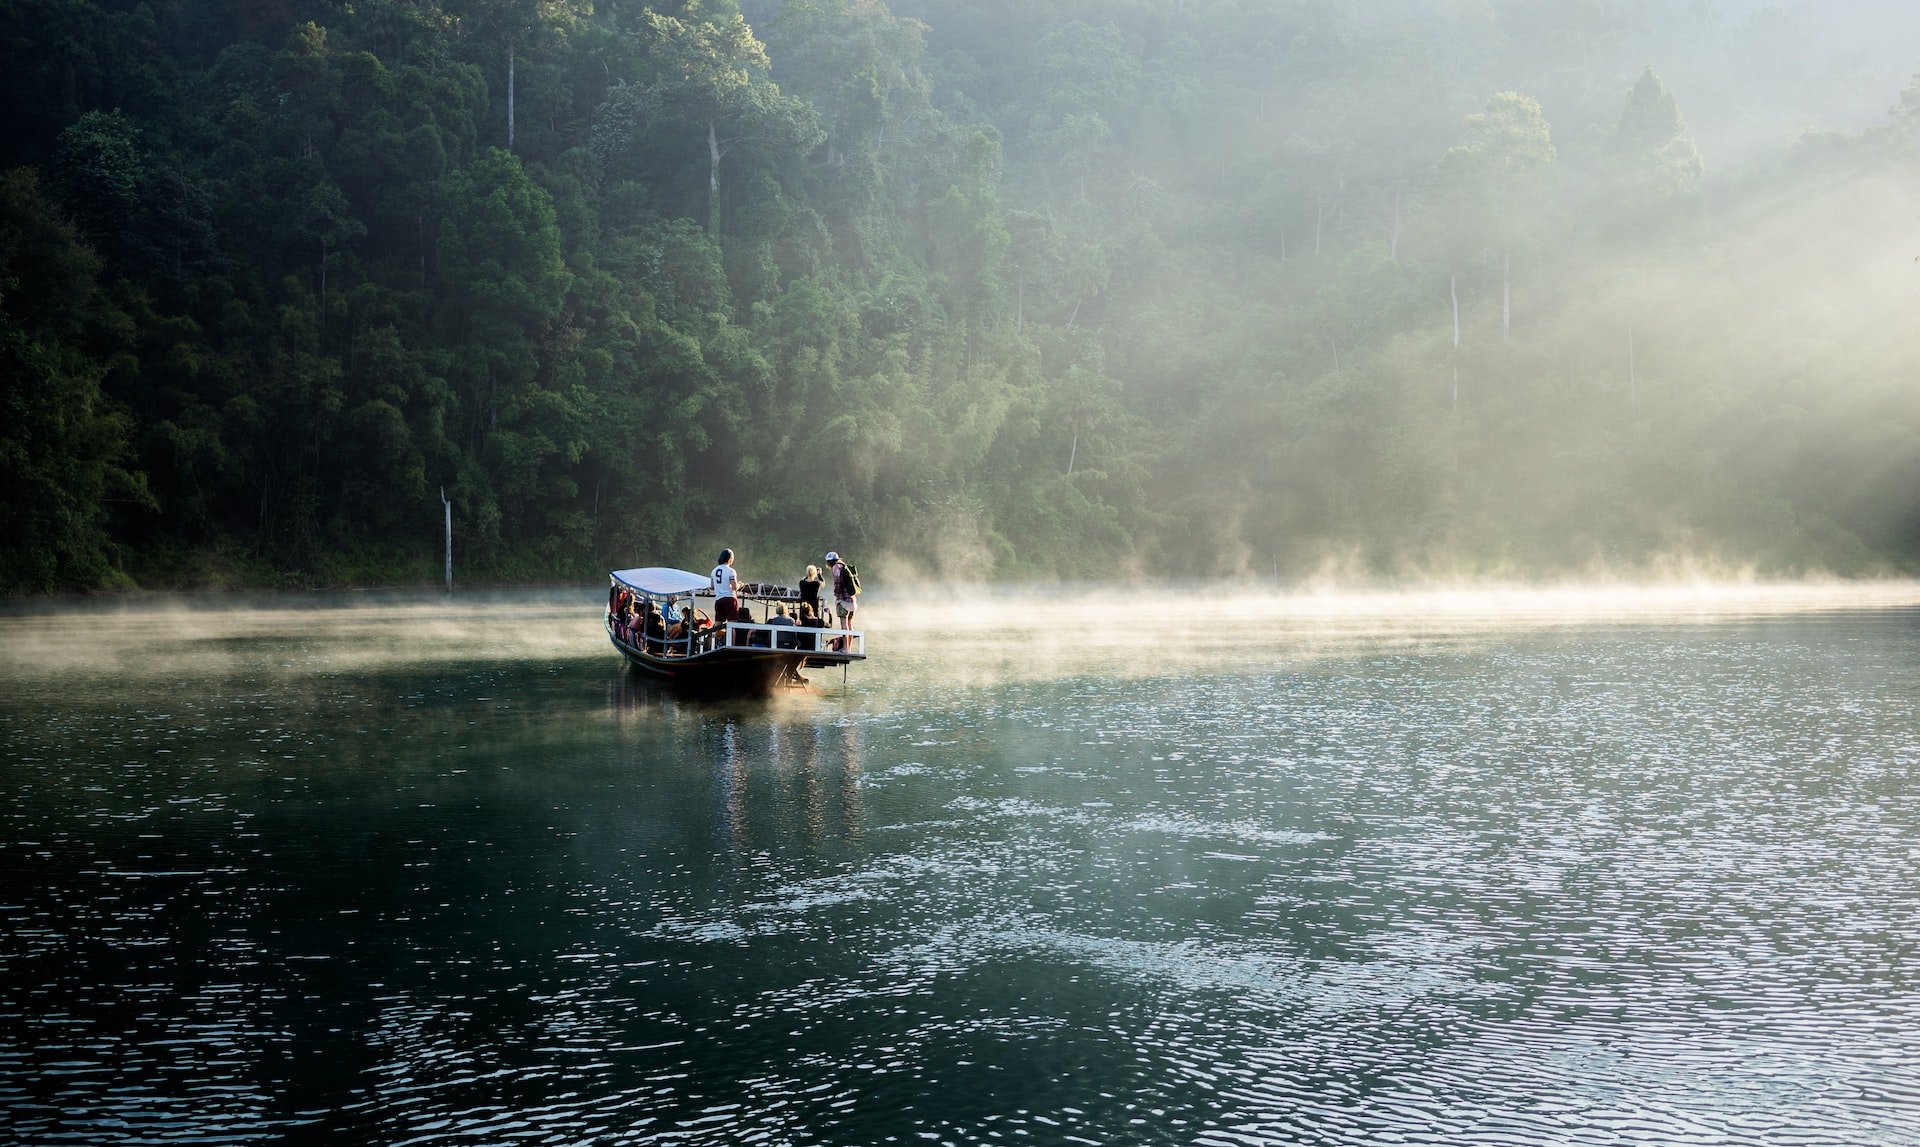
(754, 635)
(804, 638)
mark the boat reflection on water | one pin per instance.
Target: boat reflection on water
(790, 787)
(786, 775)
(630, 700)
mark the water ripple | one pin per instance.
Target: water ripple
(1622, 884)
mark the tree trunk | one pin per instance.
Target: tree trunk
(1453, 289)
(1074, 450)
(509, 95)
(449, 507)
(599, 488)
(1335, 344)
(713, 180)
(1319, 216)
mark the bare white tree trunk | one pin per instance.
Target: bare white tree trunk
(449, 508)
(1453, 289)
(1074, 450)
(509, 95)
(713, 179)
(1319, 217)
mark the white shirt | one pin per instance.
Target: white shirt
(723, 581)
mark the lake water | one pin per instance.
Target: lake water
(1640, 866)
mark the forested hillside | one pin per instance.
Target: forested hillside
(965, 287)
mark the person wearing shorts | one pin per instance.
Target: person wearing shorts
(845, 600)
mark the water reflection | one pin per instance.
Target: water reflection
(1498, 876)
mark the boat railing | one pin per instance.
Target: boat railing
(689, 641)
(802, 638)
(794, 638)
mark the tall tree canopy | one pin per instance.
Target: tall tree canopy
(974, 286)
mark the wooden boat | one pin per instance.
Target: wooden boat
(679, 643)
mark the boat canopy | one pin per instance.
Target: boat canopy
(662, 581)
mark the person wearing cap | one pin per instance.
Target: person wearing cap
(845, 598)
(726, 602)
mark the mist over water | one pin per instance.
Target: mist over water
(1095, 864)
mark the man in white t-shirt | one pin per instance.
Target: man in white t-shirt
(726, 602)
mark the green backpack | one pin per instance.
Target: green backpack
(853, 578)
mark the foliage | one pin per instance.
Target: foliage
(969, 286)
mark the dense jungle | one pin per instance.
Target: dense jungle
(966, 288)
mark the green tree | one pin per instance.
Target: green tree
(714, 72)
(99, 173)
(503, 283)
(1650, 142)
(64, 448)
(1496, 173)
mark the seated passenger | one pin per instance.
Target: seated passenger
(784, 640)
(810, 619)
(745, 617)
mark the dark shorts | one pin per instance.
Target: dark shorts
(725, 609)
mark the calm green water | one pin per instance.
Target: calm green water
(1361, 873)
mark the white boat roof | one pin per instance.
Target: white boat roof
(663, 581)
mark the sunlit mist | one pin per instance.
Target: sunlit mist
(926, 638)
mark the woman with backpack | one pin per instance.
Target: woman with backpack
(846, 588)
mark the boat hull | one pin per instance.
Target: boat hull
(728, 668)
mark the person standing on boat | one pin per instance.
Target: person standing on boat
(726, 602)
(810, 589)
(846, 595)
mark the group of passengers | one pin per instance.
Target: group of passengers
(665, 630)
(636, 619)
(805, 616)
(727, 605)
